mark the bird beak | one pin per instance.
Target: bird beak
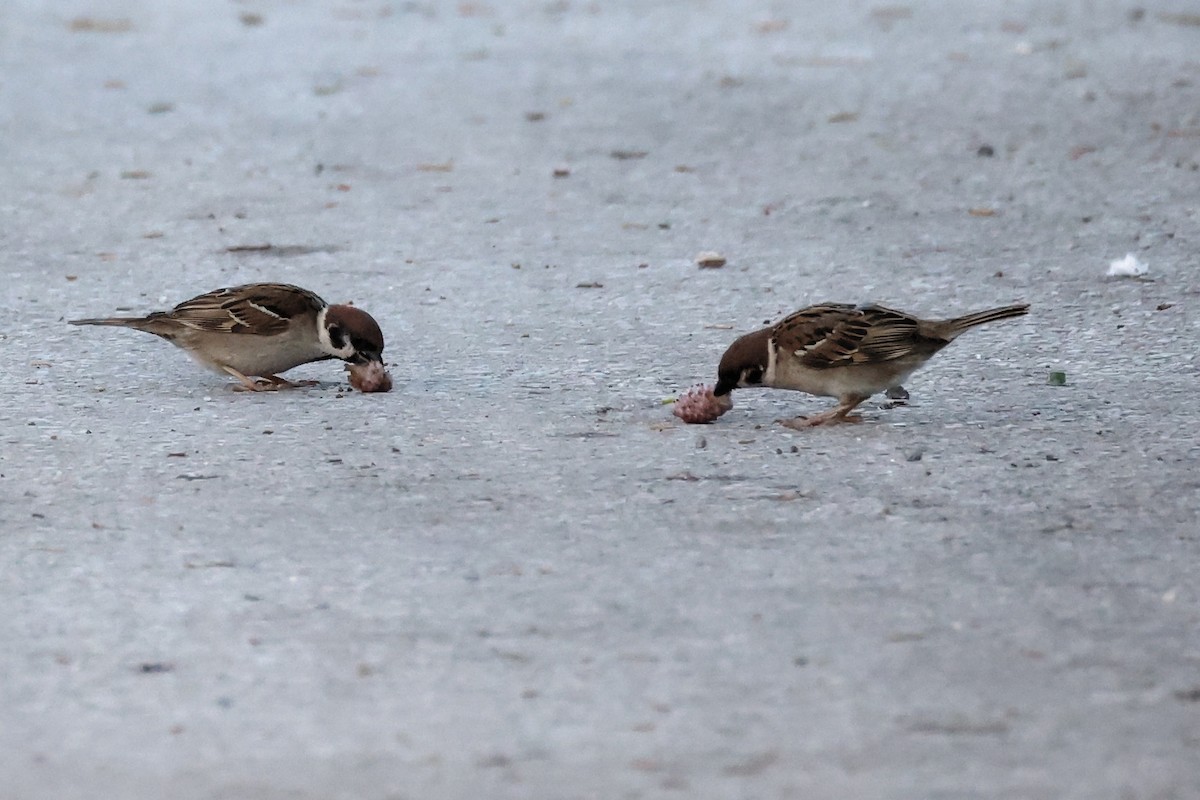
(724, 386)
(366, 357)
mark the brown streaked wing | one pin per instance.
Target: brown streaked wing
(820, 335)
(839, 335)
(263, 309)
(890, 335)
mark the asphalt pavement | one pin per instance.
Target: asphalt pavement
(516, 575)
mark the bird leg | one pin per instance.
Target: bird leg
(831, 417)
(248, 385)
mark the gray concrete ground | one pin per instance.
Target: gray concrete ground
(515, 576)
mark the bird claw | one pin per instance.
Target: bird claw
(802, 423)
(270, 383)
(259, 385)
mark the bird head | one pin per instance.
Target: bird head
(744, 363)
(350, 334)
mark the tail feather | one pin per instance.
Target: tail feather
(119, 322)
(960, 324)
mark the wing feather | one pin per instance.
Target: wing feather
(838, 334)
(262, 309)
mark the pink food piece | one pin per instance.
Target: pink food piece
(699, 405)
(370, 377)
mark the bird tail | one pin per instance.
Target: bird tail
(119, 322)
(960, 324)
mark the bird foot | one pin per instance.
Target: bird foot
(828, 418)
(284, 383)
(259, 385)
(267, 383)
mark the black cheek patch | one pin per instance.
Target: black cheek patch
(336, 338)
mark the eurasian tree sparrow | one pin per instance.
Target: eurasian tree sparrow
(262, 329)
(840, 350)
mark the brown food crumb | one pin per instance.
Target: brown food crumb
(370, 377)
(698, 405)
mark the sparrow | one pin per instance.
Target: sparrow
(844, 351)
(261, 329)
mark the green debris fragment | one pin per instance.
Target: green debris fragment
(1057, 379)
